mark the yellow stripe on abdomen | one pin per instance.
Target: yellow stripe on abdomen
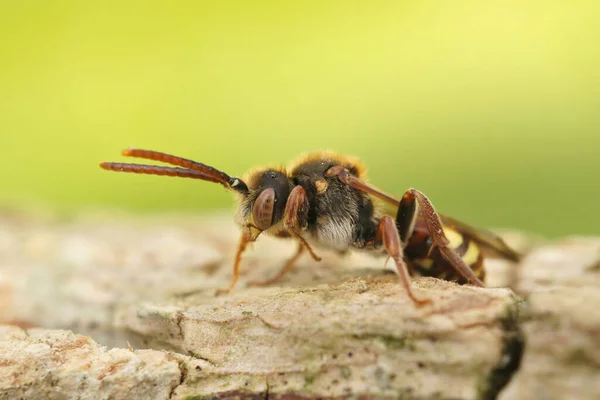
(468, 250)
(472, 254)
(455, 238)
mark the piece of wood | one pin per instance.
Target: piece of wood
(561, 321)
(335, 329)
(54, 364)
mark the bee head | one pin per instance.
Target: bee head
(264, 205)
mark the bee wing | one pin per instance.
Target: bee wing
(489, 241)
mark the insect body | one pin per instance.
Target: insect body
(323, 199)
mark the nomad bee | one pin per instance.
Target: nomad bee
(323, 199)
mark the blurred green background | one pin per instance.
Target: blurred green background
(489, 107)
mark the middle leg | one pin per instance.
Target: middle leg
(289, 265)
(387, 234)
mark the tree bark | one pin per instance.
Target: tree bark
(341, 328)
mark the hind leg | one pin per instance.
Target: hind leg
(413, 201)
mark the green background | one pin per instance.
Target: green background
(489, 107)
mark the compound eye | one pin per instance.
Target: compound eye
(262, 210)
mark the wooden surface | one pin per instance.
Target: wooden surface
(340, 328)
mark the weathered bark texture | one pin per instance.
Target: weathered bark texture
(54, 364)
(341, 328)
(561, 322)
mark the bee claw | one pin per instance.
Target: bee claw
(421, 302)
(222, 292)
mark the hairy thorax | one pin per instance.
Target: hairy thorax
(338, 213)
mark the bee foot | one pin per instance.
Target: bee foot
(222, 292)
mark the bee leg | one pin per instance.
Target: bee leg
(405, 219)
(295, 218)
(236, 265)
(387, 234)
(304, 243)
(289, 265)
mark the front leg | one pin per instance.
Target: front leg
(295, 219)
(244, 240)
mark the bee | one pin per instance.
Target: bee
(324, 199)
